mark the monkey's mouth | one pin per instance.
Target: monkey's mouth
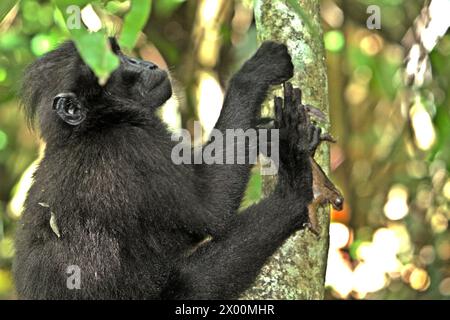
(155, 87)
(155, 78)
(164, 79)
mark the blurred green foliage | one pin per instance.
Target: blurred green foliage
(376, 161)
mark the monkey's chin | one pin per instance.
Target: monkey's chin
(160, 93)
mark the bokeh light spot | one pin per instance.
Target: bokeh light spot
(363, 74)
(371, 44)
(444, 287)
(396, 207)
(443, 250)
(339, 235)
(210, 98)
(422, 125)
(6, 248)
(41, 44)
(356, 93)
(3, 140)
(5, 281)
(439, 223)
(446, 190)
(334, 41)
(3, 74)
(419, 280)
(427, 255)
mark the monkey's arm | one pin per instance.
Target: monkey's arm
(225, 183)
(223, 268)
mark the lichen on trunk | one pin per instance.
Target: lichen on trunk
(297, 269)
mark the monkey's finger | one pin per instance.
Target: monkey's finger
(287, 95)
(311, 130)
(265, 123)
(295, 139)
(303, 118)
(301, 143)
(278, 103)
(298, 105)
(327, 137)
(283, 134)
(264, 120)
(314, 139)
(316, 113)
(293, 116)
(297, 97)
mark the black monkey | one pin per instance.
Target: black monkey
(108, 199)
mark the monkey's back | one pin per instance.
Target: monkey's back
(96, 218)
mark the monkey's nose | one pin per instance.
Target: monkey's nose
(141, 63)
(149, 65)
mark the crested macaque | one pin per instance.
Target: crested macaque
(109, 206)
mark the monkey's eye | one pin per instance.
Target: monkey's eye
(69, 108)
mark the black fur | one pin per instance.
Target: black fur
(129, 217)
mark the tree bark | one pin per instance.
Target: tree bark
(297, 270)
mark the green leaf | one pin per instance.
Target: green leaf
(42, 43)
(253, 193)
(165, 8)
(11, 40)
(66, 3)
(116, 7)
(134, 21)
(93, 47)
(95, 51)
(54, 225)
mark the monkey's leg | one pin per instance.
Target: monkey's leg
(223, 268)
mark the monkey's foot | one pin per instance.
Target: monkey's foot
(313, 224)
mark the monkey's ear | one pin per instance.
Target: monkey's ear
(69, 108)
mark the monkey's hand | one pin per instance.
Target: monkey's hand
(298, 140)
(271, 64)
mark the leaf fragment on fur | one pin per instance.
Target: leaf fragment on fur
(53, 225)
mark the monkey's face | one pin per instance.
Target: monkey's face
(66, 95)
(141, 81)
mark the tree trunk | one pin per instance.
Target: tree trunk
(297, 270)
